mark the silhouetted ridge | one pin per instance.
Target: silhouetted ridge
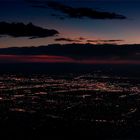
(80, 51)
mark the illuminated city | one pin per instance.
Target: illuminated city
(70, 69)
(90, 99)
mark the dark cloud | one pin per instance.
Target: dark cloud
(25, 30)
(81, 39)
(72, 12)
(68, 40)
(104, 41)
(80, 51)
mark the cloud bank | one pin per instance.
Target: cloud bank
(93, 41)
(105, 41)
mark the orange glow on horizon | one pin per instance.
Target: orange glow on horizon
(33, 59)
(58, 59)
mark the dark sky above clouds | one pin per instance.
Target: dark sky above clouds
(92, 19)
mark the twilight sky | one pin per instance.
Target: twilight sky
(38, 23)
(73, 29)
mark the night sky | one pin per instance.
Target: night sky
(68, 21)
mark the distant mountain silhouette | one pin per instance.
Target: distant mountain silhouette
(80, 51)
